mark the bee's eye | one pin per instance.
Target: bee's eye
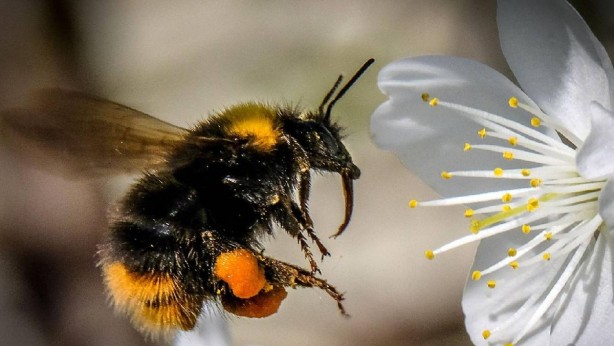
(329, 141)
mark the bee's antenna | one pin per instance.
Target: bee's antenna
(329, 95)
(344, 89)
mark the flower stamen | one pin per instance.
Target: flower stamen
(558, 203)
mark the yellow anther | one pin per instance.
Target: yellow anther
(429, 254)
(476, 275)
(532, 204)
(446, 175)
(482, 133)
(498, 172)
(508, 155)
(469, 213)
(491, 283)
(513, 141)
(413, 203)
(508, 344)
(425, 97)
(513, 102)
(546, 256)
(434, 102)
(512, 252)
(525, 172)
(514, 265)
(548, 235)
(486, 334)
(535, 182)
(506, 208)
(506, 197)
(535, 122)
(467, 147)
(526, 229)
(474, 226)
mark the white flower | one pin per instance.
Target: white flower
(536, 173)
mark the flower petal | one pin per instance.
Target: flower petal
(587, 315)
(594, 159)
(606, 205)
(556, 59)
(430, 139)
(486, 308)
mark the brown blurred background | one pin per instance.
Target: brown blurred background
(178, 61)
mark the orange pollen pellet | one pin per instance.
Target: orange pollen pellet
(241, 271)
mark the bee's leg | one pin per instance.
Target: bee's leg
(308, 254)
(304, 185)
(314, 238)
(289, 216)
(305, 220)
(303, 191)
(302, 209)
(285, 211)
(288, 275)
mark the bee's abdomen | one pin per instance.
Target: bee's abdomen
(156, 301)
(152, 265)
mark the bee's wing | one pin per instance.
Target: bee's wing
(77, 135)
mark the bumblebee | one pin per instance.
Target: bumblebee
(189, 229)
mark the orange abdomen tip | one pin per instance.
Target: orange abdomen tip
(155, 302)
(241, 271)
(264, 304)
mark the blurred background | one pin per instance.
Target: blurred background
(181, 60)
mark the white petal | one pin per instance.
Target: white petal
(596, 157)
(606, 205)
(556, 59)
(430, 139)
(587, 316)
(485, 308)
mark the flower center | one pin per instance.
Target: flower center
(556, 213)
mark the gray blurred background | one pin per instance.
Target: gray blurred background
(181, 60)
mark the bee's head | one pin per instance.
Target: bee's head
(321, 141)
(320, 138)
